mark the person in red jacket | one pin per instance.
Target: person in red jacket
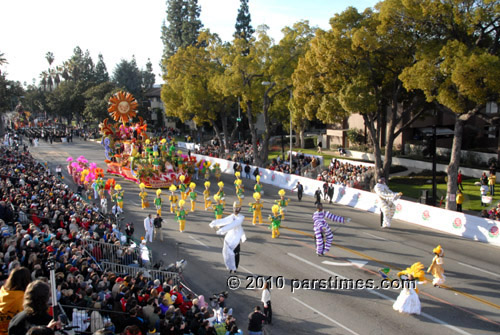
(459, 180)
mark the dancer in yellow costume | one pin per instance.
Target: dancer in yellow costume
(181, 216)
(275, 221)
(217, 171)
(158, 202)
(256, 208)
(119, 195)
(192, 195)
(282, 203)
(206, 195)
(408, 301)
(239, 190)
(220, 192)
(436, 267)
(143, 195)
(258, 186)
(218, 207)
(238, 177)
(183, 187)
(173, 199)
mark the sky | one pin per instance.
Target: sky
(119, 29)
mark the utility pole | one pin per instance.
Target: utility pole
(434, 161)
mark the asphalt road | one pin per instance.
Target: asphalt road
(469, 304)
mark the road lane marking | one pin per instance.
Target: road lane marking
(351, 262)
(375, 236)
(325, 316)
(479, 269)
(199, 242)
(315, 265)
(250, 272)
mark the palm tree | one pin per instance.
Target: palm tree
(3, 60)
(49, 56)
(43, 82)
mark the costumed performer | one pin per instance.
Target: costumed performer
(158, 202)
(282, 203)
(206, 170)
(183, 187)
(101, 186)
(218, 207)
(232, 227)
(192, 196)
(256, 208)
(237, 174)
(408, 301)
(322, 232)
(275, 219)
(206, 195)
(258, 186)
(220, 192)
(217, 171)
(143, 194)
(239, 190)
(119, 196)
(388, 199)
(181, 216)
(436, 267)
(173, 198)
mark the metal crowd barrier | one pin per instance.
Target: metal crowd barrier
(115, 253)
(120, 269)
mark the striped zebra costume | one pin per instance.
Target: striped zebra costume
(322, 232)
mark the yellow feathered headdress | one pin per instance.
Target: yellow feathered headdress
(142, 186)
(281, 193)
(275, 209)
(118, 187)
(207, 184)
(237, 182)
(256, 196)
(192, 186)
(237, 174)
(221, 184)
(216, 197)
(158, 192)
(182, 178)
(257, 178)
(438, 250)
(416, 270)
(172, 188)
(182, 203)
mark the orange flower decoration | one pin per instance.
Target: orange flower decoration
(122, 106)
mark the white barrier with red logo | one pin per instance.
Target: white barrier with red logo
(456, 223)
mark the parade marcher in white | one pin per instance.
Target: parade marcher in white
(387, 198)
(231, 226)
(408, 301)
(322, 232)
(148, 228)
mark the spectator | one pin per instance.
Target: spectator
(300, 190)
(255, 321)
(492, 179)
(331, 190)
(247, 171)
(317, 195)
(12, 296)
(256, 172)
(459, 180)
(460, 200)
(36, 304)
(320, 146)
(484, 191)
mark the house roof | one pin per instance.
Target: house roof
(154, 92)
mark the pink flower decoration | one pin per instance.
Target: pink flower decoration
(69, 159)
(74, 165)
(93, 166)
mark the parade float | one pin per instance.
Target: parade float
(130, 153)
(83, 172)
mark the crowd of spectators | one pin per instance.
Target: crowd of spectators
(347, 174)
(42, 222)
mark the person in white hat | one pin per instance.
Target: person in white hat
(232, 227)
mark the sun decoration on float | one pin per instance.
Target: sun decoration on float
(122, 106)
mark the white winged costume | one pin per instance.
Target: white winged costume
(232, 227)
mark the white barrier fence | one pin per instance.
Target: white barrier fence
(456, 223)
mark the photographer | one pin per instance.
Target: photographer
(255, 321)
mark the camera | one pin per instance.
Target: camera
(217, 299)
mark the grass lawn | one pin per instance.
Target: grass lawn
(472, 198)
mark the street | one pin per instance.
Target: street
(469, 304)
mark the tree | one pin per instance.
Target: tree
(188, 92)
(183, 27)
(101, 72)
(148, 77)
(67, 101)
(457, 63)
(10, 92)
(128, 77)
(243, 27)
(353, 69)
(96, 101)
